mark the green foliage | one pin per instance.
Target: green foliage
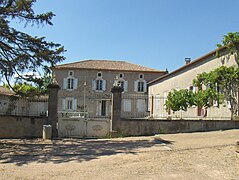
(230, 41)
(21, 54)
(221, 85)
(24, 89)
(180, 100)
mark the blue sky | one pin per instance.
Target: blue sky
(153, 33)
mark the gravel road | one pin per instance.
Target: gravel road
(204, 155)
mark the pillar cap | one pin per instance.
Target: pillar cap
(116, 89)
(54, 84)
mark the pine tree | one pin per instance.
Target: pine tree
(21, 53)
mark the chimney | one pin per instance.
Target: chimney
(187, 60)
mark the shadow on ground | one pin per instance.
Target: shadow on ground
(22, 152)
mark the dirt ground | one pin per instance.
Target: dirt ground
(205, 155)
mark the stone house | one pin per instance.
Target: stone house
(11, 104)
(5, 95)
(86, 86)
(182, 78)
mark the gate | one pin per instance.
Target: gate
(83, 127)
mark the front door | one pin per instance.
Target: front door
(103, 108)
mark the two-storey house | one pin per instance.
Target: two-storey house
(86, 85)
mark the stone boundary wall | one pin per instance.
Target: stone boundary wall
(137, 127)
(21, 127)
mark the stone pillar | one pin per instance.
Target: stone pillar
(116, 106)
(53, 89)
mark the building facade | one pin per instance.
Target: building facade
(182, 78)
(12, 104)
(86, 86)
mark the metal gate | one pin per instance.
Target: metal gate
(83, 127)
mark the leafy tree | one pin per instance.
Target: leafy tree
(25, 89)
(180, 100)
(221, 85)
(230, 42)
(21, 54)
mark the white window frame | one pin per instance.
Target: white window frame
(157, 103)
(70, 83)
(127, 105)
(141, 86)
(99, 84)
(141, 105)
(69, 104)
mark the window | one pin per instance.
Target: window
(99, 85)
(141, 105)
(141, 76)
(157, 102)
(140, 86)
(71, 73)
(70, 83)
(127, 105)
(69, 104)
(99, 74)
(121, 75)
(121, 84)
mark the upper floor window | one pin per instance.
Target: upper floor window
(141, 85)
(121, 84)
(70, 82)
(99, 84)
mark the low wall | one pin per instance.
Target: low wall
(19, 127)
(136, 127)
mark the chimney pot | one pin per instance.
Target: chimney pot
(187, 60)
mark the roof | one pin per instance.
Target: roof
(107, 65)
(200, 59)
(6, 91)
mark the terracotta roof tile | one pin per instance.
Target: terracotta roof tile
(6, 91)
(106, 65)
